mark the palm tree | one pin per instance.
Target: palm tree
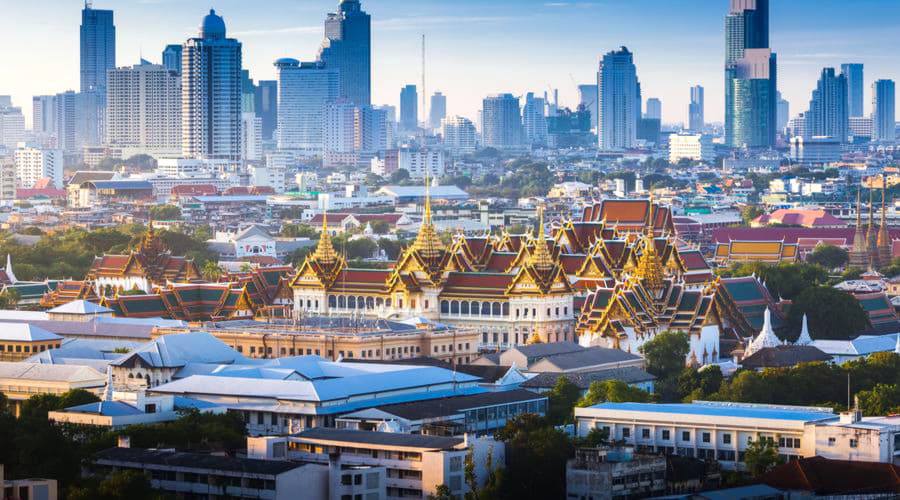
(211, 271)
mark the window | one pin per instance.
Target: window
(831, 441)
(260, 418)
(626, 433)
(685, 436)
(726, 438)
(346, 479)
(854, 443)
(645, 433)
(357, 479)
(705, 437)
(666, 435)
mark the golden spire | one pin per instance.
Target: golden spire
(325, 253)
(858, 211)
(541, 259)
(649, 268)
(428, 244)
(882, 232)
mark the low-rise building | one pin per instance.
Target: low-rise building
(39, 489)
(607, 473)
(695, 147)
(19, 381)
(20, 340)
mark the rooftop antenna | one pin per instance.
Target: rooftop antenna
(424, 111)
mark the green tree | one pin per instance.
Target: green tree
(299, 231)
(562, 399)
(211, 271)
(9, 299)
(665, 353)
(536, 456)
(613, 391)
(398, 176)
(165, 212)
(750, 212)
(126, 485)
(460, 181)
(883, 399)
(828, 256)
(761, 455)
(442, 492)
(380, 226)
(832, 314)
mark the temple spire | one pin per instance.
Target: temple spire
(428, 244)
(649, 268)
(858, 212)
(541, 259)
(325, 253)
(766, 337)
(9, 270)
(805, 338)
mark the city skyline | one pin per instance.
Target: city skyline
(524, 38)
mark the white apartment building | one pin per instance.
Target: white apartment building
(815, 150)
(694, 147)
(415, 464)
(251, 137)
(340, 131)
(861, 126)
(265, 175)
(418, 162)
(304, 89)
(33, 163)
(12, 127)
(7, 180)
(459, 134)
(143, 110)
(722, 430)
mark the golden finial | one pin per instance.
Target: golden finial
(428, 244)
(541, 259)
(325, 253)
(649, 268)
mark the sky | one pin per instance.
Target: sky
(475, 47)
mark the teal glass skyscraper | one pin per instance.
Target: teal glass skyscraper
(750, 76)
(854, 75)
(98, 48)
(828, 115)
(348, 49)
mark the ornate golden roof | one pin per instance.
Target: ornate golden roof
(540, 259)
(428, 244)
(325, 254)
(649, 269)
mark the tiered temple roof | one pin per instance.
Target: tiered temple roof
(151, 259)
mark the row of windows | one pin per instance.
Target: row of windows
(26, 348)
(521, 338)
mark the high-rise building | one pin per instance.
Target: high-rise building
(458, 133)
(248, 93)
(98, 47)
(409, 108)
(211, 93)
(251, 137)
(79, 120)
(619, 102)
(340, 135)
(437, 110)
(654, 108)
(348, 49)
(750, 76)
(43, 114)
(854, 75)
(375, 130)
(587, 98)
(501, 122)
(305, 89)
(828, 115)
(534, 122)
(783, 112)
(267, 107)
(884, 110)
(34, 163)
(696, 119)
(12, 125)
(65, 120)
(171, 58)
(143, 105)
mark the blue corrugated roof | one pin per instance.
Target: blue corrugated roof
(724, 410)
(129, 185)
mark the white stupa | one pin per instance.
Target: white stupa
(766, 337)
(804, 338)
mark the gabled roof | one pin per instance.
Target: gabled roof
(822, 477)
(177, 350)
(50, 373)
(80, 307)
(23, 332)
(784, 356)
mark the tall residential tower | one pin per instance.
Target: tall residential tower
(98, 47)
(619, 101)
(696, 120)
(854, 75)
(348, 49)
(883, 110)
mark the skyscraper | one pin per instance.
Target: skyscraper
(459, 133)
(348, 49)
(696, 119)
(883, 110)
(65, 120)
(143, 105)
(827, 115)
(43, 114)
(750, 76)
(534, 122)
(619, 102)
(783, 112)
(267, 106)
(409, 108)
(437, 110)
(501, 123)
(211, 93)
(854, 75)
(171, 58)
(587, 97)
(98, 47)
(305, 89)
(654, 109)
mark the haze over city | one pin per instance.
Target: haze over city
(476, 47)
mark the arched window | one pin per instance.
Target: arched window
(360, 302)
(506, 308)
(464, 307)
(342, 302)
(351, 302)
(370, 303)
(379, 302)
(454, 307)
(445, 307)
(485, 308)
(332, 301)
(496, 309)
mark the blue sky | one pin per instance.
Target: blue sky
(475, 47)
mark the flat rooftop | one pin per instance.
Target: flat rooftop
(727, 410)
(318, 326)
(195, 461)
(380, 438)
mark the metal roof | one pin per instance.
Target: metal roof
(195, 461)
(381, 438)
(732, 410)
